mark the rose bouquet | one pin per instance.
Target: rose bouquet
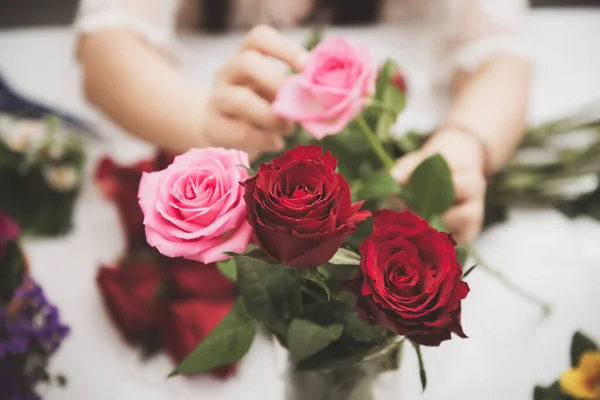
(315, 238)
(30, 327)
(334, 309)
(41, 163)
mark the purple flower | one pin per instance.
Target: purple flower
(27, 341)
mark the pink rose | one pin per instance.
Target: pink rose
(331, 90)
(195, 207)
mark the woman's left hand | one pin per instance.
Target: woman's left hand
(466, 159)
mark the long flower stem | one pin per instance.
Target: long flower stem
(509, 284)
(375, 143)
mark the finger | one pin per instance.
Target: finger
(405, 166)
(468, 186)
(465, 221)
(270, 42)
(242, 103)
(250, 139)
(252, 68)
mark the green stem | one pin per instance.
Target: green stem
(375, 143)
(516, 289)
(383, 107)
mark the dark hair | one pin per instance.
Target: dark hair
(215, 13)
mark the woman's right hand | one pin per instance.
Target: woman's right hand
(237, 112)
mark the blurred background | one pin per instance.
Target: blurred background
(24, 13)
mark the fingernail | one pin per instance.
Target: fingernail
(398, 173)
(301, 60)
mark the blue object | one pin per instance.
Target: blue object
(13, 103)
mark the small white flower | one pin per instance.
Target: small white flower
(22, 136)
(63, 178)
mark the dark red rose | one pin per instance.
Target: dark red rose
(130, 292)
(9, 231)
(300, 208)
(192, 279)
(120, 184)
(185, 324)
(410, 280)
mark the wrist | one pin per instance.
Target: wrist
(461, 146)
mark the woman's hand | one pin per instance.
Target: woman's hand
(237, 110)
(466, 159)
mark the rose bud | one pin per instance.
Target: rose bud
(399, 81)
(410, 281)
(300, 208)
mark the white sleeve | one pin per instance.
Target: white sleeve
(152, 20)
(476, 30)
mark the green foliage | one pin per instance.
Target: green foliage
(552, 392)
(391, 99)
(430, 189)
(377, 186)
(581, 344)
(422, 373)
(227, 343)
(306, 338)
(228, 268)
(345, 257)
(12, 268)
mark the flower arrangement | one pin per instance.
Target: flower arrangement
(318, 254)
(582, 381)
(30, 326)
(41, 164)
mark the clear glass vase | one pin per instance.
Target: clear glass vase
(359, 381)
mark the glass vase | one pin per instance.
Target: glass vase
(358, 381)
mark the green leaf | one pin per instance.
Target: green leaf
(227, 343)
(552, 392)
(430, 187)
(306, 338)
(345, 257)
(391, 98)
(439, 225)
(378, 185)
(251, 275)
(319, 280)
(360, 331)
(422, 373)
(580, 344)
(228, 268)
(468, 272)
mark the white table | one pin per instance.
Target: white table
(510, 347)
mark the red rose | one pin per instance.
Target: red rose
(130, 293)
(410, 280)
(185, 324)
(300, 208)
(191, 279)
(120, 184)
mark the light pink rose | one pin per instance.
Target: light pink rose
(331, 90)
(195, 207)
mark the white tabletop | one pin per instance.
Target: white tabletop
(511, 348)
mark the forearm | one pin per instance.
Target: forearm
(141, 90)
(492, 103)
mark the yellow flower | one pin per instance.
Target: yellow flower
(583, 382)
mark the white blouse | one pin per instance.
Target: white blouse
(468, 31)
